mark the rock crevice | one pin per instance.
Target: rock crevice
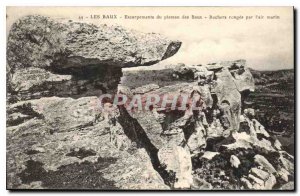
(56, 71)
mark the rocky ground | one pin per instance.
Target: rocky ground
(273, 101)
(58, 136)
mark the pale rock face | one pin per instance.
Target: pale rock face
(270, 169)
(197, 140)
(284, 174)
(270, 182)
(145, 89)
(56, 72)
(260, 173)
(209, 155)
(255, 129)
(261, 180)
(263, 162)
(239, 144)
(60, 114)
(259, 128)
(229, 99)
(215, 129)
(263, 144)
(205, 94)
(31, 77)
(135, 173)
(177, 159)
(277, 145)
(247, 184)
(288, 186)
(243, 79)
(257, 182)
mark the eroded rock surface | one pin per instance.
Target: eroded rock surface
(58, 136)
(227, 145)
(73, 59)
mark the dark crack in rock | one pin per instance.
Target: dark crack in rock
(59, 138)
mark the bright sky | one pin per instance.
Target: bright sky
(266, 44)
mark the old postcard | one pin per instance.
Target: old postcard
(150, 98)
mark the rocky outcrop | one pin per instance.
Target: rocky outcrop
(52, 110)
(177, 160)
(73, 44)
(219, 96)
(72, 59)
(222, 135)
(57, 133)
(203, 137)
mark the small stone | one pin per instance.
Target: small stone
(235, 162)
(209, 155)
(40, 149)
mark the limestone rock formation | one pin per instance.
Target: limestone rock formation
(227, 145)
(59, 133)
(76, 59)
(177, 160)
(73, 44)
(56, 129)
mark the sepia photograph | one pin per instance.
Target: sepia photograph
(150, 98)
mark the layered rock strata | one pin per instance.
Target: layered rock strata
(58, 136)
(222, 137)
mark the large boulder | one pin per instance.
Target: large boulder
(47, 57)
(70, 44)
